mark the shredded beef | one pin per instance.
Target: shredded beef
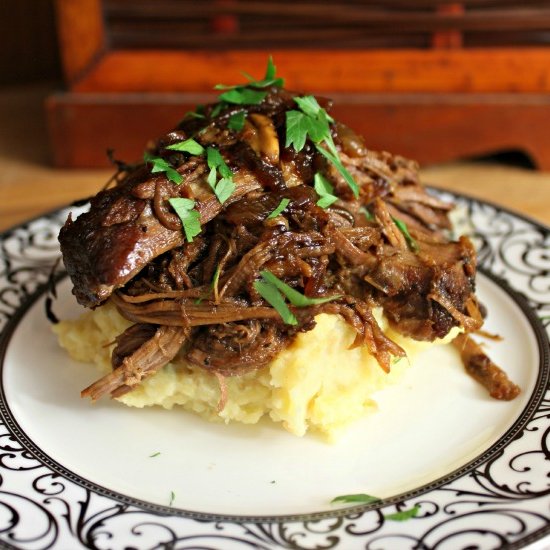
(130, 248)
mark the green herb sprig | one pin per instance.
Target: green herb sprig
(273, 297)
(197, 113)
(190, 218)
(188, 146)
(213, 287)
(272, 290)
(236, 121)
(402, 226)
(281, 206)
(224, 186)
(404, 515)
(325, 191)
(366, 212)
(162, 165)
(251, 93)
(312, 121)
(358, 498)
(363, 498)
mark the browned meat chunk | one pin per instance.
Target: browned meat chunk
(341, 228)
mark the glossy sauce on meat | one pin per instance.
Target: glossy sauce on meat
(130, 248)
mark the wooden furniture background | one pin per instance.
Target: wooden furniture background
(430, 79)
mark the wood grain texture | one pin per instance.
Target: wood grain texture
(428, 127)
(469, 71)
(81, 35)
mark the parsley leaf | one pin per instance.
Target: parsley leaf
(162, 165)
(243, 96)
(295, 298)
(402, 226)
(297, 128)
(188, 146)
(367, 213)
(404, 515)
(190, 218)
(282, 205)
(197, 113)
(273, 297)
(325, 191)
(225, 186)
(236, 121)
(308, 104)
(313, 121)
(359, 498)
(215, 160)
(333, 157)
(270, 290)
(217, 109)
(172, 498)
(251, 93)
(224, 189)
(269, 79)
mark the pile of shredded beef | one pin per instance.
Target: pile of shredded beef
(389, 248)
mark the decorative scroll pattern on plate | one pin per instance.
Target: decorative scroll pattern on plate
(501, 499)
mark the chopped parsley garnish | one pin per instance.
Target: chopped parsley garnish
(243, 96)
(224, 186)
(404, 515)
(363, 498)
(270, 78)
(282, 205)
(251, 93)
(162, 165)
(325, 191)
(172, 498)
(402, 226)
(236, 121)
(272, 290)
(367, 213)
(213, 287)
(190, 218)
(312, 121)
(295, 298)
(217, 109)
(197, 113)
(309, 105)
(273, 297)
(300, 126)
(188, 146)
(333, 157)
(154, 454)
(358, 498)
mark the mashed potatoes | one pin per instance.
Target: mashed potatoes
(317, 383)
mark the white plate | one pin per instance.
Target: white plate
(75, 475)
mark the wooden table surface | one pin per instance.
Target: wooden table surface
(29, 186)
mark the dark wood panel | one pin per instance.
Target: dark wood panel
(427, 127)
(237, 24)
(28, 42)
(409, 70)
